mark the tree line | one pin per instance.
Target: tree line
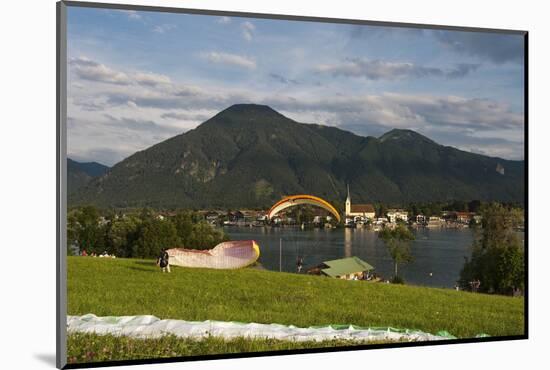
(497, 263)
(139, 234)
(498, 253)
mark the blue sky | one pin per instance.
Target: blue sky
(136, 78)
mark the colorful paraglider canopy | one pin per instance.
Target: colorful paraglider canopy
(226, 255)
(294, 200)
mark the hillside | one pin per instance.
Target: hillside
(250, 155)
(249, 295)
(81, 173)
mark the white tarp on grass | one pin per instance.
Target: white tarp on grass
(147, 326)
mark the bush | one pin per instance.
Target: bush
(138, 234)
(204, 236)
(85, 230)
(397, 280)
(155, 235)
(497, 255)
(397, 240)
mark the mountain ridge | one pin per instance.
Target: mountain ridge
(251, 155)
(80, 174)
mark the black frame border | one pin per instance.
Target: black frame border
(61, 273)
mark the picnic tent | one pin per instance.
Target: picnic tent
(346, 268)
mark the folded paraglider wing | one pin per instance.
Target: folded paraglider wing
(226, 255)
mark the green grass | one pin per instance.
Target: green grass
(92, 347)
(116, 287)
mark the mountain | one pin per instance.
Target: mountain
(79, 174)
(250, 155)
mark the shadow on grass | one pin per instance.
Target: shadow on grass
(146, 263)
(149, 266)
(136, 268)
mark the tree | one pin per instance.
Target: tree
(154, 235)
(204, 236)
(474, 206)
(458, 205)
(122, 235)
(183, 222)
(196, 233)
(85, 230)
(413, 209)
(381, 210)
(397, 240)
(497, 259)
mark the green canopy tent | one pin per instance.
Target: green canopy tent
(346, 268)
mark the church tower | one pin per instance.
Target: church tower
(348, 203)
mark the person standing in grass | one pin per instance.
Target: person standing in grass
(299, 263)
(163, 261)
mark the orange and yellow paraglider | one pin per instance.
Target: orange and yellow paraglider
(294, 200)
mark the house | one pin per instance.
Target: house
(464, 217)
(249, 215)
(211, 216)
(235, 216)
(421, 219)
(358, 211)
(397, 214)
(460, 217)
(261, 217)
(381, 220)
(435, 221)
(349, 268)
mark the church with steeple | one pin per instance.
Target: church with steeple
(363, 211)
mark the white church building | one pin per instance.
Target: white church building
(358, 211)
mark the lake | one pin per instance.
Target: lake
(440, 252)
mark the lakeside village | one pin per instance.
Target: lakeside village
(355, 216)
(144, 233)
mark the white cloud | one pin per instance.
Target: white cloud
(162, 28)
(87, 69)
(143, 108)
(229, 59)
(90, 70)
(186, 115)
(151, 79)
(132, 14)
(248, 30)
(223, 20)
(384, 70)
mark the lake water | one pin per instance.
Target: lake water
(440, 252)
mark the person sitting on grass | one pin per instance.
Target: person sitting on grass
(162, 261)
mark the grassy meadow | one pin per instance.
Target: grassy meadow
(118, 287)
(92, 347)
